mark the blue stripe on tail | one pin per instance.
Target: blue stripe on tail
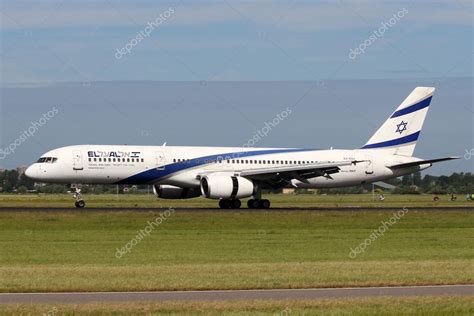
(412, 108)
(394, 142)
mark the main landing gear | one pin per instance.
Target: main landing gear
(225, 203)
(258, 203)
(252, 203)
(78, 197)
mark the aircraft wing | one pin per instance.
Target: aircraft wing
(420, 162)
(301, 172)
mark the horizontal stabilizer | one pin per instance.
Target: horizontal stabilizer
(384, 185)
(420, 162)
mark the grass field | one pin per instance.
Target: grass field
(444, 305)
(76, 251)
(278, 200)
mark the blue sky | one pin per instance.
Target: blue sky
(212, 72)
(59, 40)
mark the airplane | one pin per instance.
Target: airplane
(228, 174)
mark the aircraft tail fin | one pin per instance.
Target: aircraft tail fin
(400, 132)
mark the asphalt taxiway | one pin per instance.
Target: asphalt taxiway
(217, 295)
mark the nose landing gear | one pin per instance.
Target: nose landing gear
(78, 197)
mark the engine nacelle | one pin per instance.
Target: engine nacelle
(225, 186)
(172, 192)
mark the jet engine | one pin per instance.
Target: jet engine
(172, 192)
(225, 186)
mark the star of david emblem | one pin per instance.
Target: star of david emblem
(401, 127)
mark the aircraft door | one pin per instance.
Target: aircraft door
(369, 166)
(77, 160)
(160, 160)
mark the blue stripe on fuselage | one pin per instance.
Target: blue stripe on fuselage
(154, 174)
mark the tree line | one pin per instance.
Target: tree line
(459, 183)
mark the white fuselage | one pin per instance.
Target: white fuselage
(228, 174)
(183, 166)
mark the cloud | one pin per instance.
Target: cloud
(301, 16)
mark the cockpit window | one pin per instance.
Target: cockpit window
(47, 160)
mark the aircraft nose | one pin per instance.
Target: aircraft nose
(31, 172)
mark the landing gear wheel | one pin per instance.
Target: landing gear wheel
(264, 204)
(80, 204)
(235, 203)
(224, 204)
(252, 203)
(78, 197)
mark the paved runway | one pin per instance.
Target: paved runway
(78, 298)
(244, 209)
